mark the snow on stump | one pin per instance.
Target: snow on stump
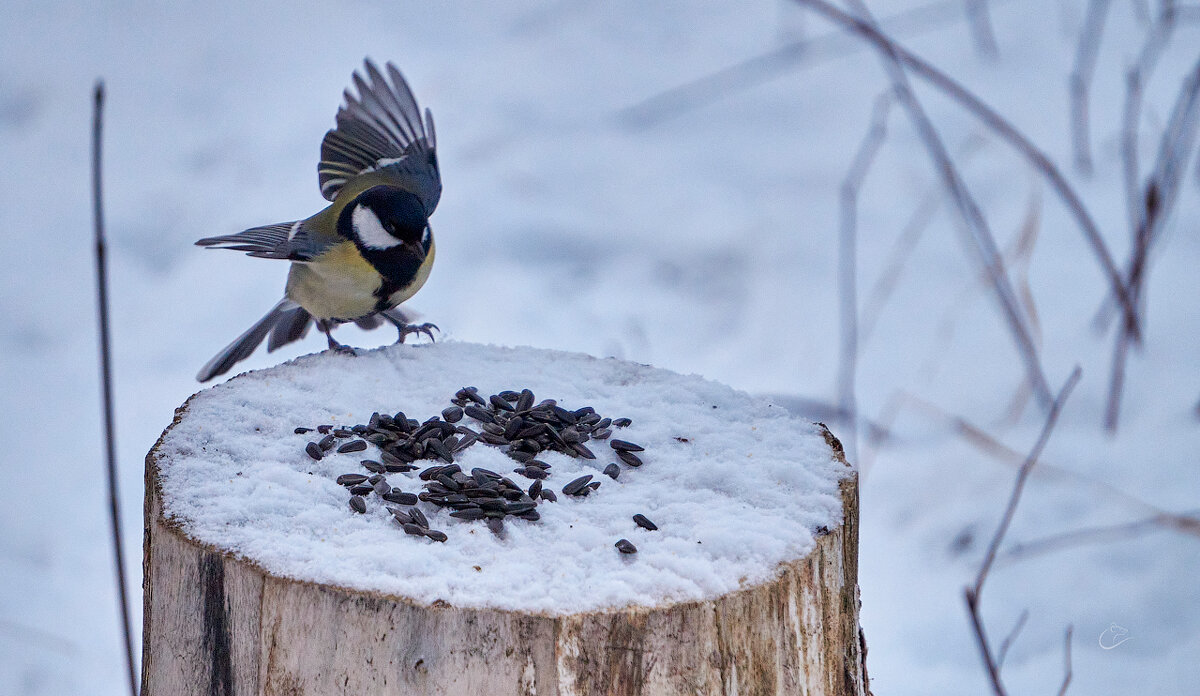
(265, 575)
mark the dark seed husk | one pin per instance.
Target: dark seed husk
(324, 429)
(574, 487)
(500, 403)
(314, 451)
(480, 414)
(549, 496)
(525, 400)
(414, 529)
(453, 414)
(622, 422)
(373, 466)
(496, 525)
(535, 490)
(350, 479)
(419, 517)
(352, 446)
(400, 497)
(625, 446)
(497, 440)
(644, 523)
(582, 450)
(564, 415)
(357, 504)
(612, 470)
(468, 514)
(519, 508)
(491, 503)
(439, 449)
(513, 427)
(401, 516)
(466, 441)
(436, 535)
(374, 479)
(601, 434)
(361, 489)
(629, 458)
(326, 443)
(301, 431)
(383, 487)
(624, 546)
(532, 472)
(343, 433)
(519, 456)
(594, 485)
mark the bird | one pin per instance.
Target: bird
(372, 247)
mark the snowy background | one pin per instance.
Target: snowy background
(697, 235)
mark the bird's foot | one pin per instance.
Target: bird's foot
(406, 329)
(339, 348)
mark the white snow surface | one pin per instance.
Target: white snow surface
(739, 497)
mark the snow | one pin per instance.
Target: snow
(703, 242)
(739, 497)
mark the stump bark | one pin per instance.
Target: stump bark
(222, 625)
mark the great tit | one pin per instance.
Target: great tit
(372, 247)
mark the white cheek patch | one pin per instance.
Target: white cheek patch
(370, 230)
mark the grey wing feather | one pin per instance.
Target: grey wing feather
(285, 240)
(381, 128)
(291, 325)
(243, 346)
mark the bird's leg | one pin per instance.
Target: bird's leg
(327, 329)
(406, 329)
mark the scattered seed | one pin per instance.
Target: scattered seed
(401, 516)
(419, 517)
(314, 451)
(357, 504)
(301, 431)
(613, 471)
(549, 496)
(624, 546)
(324, 429)
(624, 446)
(574, 487)
(622, 422)
(352, 446)
(326, 443)
(343, 433)
(525, 400)
(535, 490)
(400, 497)
(414, 529)
(373, 466)
(499, 402)
(644, 523)
(452, 414)
(361, 489)
(629, 458)
(582, 450)
(436, 535)
(350, 479)
(468, 514)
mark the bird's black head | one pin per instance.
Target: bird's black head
(385, 217)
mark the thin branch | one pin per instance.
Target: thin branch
(1002, 128)
(1162, 191)
(106, 380)
(980, 22)
(1010, 638)
(982, 242)
(766, 66)
(1066, 661)
(1183, 523)
(848, 264)
(1081, 82)
(973, 593)
(1156, 41)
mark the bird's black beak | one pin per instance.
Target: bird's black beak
(417, 250)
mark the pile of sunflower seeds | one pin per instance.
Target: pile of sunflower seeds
(509, 420)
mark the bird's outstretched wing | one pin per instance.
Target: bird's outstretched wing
(285, 240)
(381, 129)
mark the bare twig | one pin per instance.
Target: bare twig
(1162, 191)
(1081, 82)
(1002, 128)
(980, 22)
(1156, 41)
(758, 69)
(848, 265)
(981, 241)
(1008, 640)
(973, 593)
(1182, 523)
(106, 380)
(1062, 690)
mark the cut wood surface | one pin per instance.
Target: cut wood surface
(217, 622)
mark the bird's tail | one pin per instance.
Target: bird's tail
(286, 322)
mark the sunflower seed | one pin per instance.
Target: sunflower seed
(532, 472)
(400, 497)
(374, 479)
(601, 433)
(401, 516)
(373, 466)
(419, 517)
(582, 450)
(479, 414)
(382, 487)
(613, 471)
(499, 402)
(594, 485)
(357, 504)
(324, 429)
(468, 514)
(624, 546)
(314, 451)
(574, 487)
(343, 433)
(525, 400)
(466, 441)
(352, 446)
(535, 490)
(436, 535)
(350, 479)
(549, 496)
(622, 422)
(414, 529)
(644, 523)
(519, 508)
(625, 446)
(362, 489)
(301, 431)
(629, 458)
(326, 443)
(564, 415)
(439, 449)
(452, 414)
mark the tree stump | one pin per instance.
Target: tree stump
(261, 579)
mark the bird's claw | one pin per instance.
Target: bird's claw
(406, 329)
(342, 349)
